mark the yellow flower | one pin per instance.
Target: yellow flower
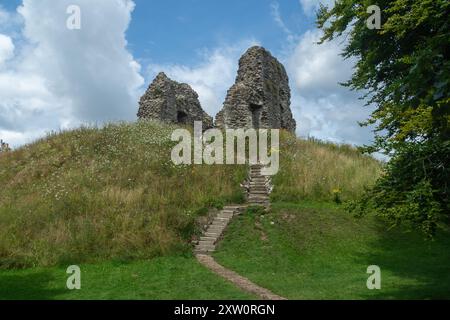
(274, 150)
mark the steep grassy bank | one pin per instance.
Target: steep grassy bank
(321, 171)
(93, 194)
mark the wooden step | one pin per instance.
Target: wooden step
(205, 247)
(218, 223)
(236, 207)
(204, 250)
(220, 220)
(227, 213)
(212, 239)
(221, 217)
(212, 234)
(215, 229)
(257, 195)
(206, 243)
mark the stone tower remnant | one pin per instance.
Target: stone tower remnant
(260, 97)
(169, 101)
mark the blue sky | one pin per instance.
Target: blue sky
(52, 78)
(173, 31)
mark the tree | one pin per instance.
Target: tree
(404, 71)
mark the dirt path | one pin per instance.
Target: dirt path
(241, 282)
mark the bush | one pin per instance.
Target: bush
(413, 188)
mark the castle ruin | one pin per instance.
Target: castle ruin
(169, 101)
(260, 98)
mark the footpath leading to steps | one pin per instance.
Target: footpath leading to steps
(258, 189)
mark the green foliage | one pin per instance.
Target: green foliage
(405, 192)
(404, 68)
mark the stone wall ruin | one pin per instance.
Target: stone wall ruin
(169, 101)
(260, 98)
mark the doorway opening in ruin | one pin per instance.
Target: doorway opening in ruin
(181, 117)
(256, 115)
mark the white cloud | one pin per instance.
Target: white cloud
(318, 68)
(310, 6)
(6, 48)
(61, 77)
(212, 77)
(276, 15)
(323, 108)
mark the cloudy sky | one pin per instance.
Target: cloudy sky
(54, 78)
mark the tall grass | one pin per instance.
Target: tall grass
(98, 193)
(93, 194)
(315, 170)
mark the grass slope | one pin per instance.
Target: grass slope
(160, 278)
(313, 250)
(95, 194)
(320, 171)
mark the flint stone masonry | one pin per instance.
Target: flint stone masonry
(261, 96)
(169, 101)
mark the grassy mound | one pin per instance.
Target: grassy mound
(93, 194)
(113, 193)
(316, 250)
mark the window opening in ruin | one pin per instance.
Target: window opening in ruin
(181, 117)
(256, 115)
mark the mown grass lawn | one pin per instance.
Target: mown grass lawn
(318, 251)
(160, 278)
